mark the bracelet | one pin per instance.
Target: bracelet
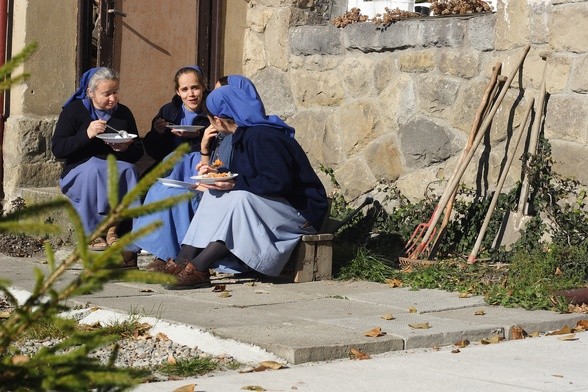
(204, 155)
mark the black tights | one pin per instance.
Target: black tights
(202, 258)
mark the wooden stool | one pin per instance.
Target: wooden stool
(312, 259)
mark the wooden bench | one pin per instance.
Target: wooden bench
(311, 260)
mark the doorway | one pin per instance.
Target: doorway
(146, 41)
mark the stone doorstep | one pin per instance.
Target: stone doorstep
(311, 260)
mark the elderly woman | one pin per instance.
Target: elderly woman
(260, 215)
(76, 140)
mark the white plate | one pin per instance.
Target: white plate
(211, 180)
(186, 128)
(176, 183)
(115, 138)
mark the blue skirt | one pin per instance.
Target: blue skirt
(86, 187)
(164, 242)
(260, 231)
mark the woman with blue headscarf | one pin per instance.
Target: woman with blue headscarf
(261, 214)
(164, 243)
(85, 116)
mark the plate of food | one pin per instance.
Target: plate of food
(115, 137)
(176, 183)
(211, 178)
(185, 128)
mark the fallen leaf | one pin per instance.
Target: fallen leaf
(171, 360)
(412, 309)
(374, 333)
(4, 314)
(582, 324)
(219, 288)
(271, 365)
(557, 271)
(534, 334)
(455, 351)
(568, 338)
(161, 336)
(146, 291)
(462, 343)
(479, 312)
(420, 326)
(492, 339)
(252, 284)
(225, 294)
(563, 331)
(388, 316)
(517, 333)
(557, 375)
(356, 354)
(394, 282)
(185, 388)
(252, 388)
(464, 295)
(94, 308)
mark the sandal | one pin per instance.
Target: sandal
(98, 245)
(111, 236)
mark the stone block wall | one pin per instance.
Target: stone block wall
(396, 104)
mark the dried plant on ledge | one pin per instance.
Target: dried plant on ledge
(459, 7)
(393, 16)
(352, 16)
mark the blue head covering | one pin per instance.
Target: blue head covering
(81, 92)
(232, 102)
(245, 84)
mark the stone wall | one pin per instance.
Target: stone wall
(396, 104)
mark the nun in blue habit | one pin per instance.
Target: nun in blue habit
(84, 177)
(164, 243)
(259, 216)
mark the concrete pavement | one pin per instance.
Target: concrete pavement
(305, 324)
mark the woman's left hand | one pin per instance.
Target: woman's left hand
(219, 185)
(120, 147)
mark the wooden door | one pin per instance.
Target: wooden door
(146, 41)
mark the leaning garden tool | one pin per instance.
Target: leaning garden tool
(514, 222)
(452, 186)
(476, 249)
(416, 237)
(481, 113)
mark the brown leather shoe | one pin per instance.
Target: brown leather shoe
(190, 278)
(172, 268)
(157, 265)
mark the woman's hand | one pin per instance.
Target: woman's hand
(159, 125)
(120, 147)
(219, 185)
(96, 127)
(209, 133)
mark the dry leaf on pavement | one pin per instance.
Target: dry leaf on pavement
(420, 326)
(464, 295)
(225, 294)
(567, 338)
(492, 339)
(455, 351)
(388, 316)
(563, 331)
(356, 354)
(252, 388)
(462, 343)
(271, 365)
(219, 288)
(479, 312)
(374, 333)
(412, 309)
(162, 336)
(394, 282)
(582, 324)
(185, 388)
(517, 333)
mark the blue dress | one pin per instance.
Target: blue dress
(164, 242)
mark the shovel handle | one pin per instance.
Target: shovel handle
(492, 206)
(461, 169)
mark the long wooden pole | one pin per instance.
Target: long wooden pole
(454, 183)
(492, 206)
